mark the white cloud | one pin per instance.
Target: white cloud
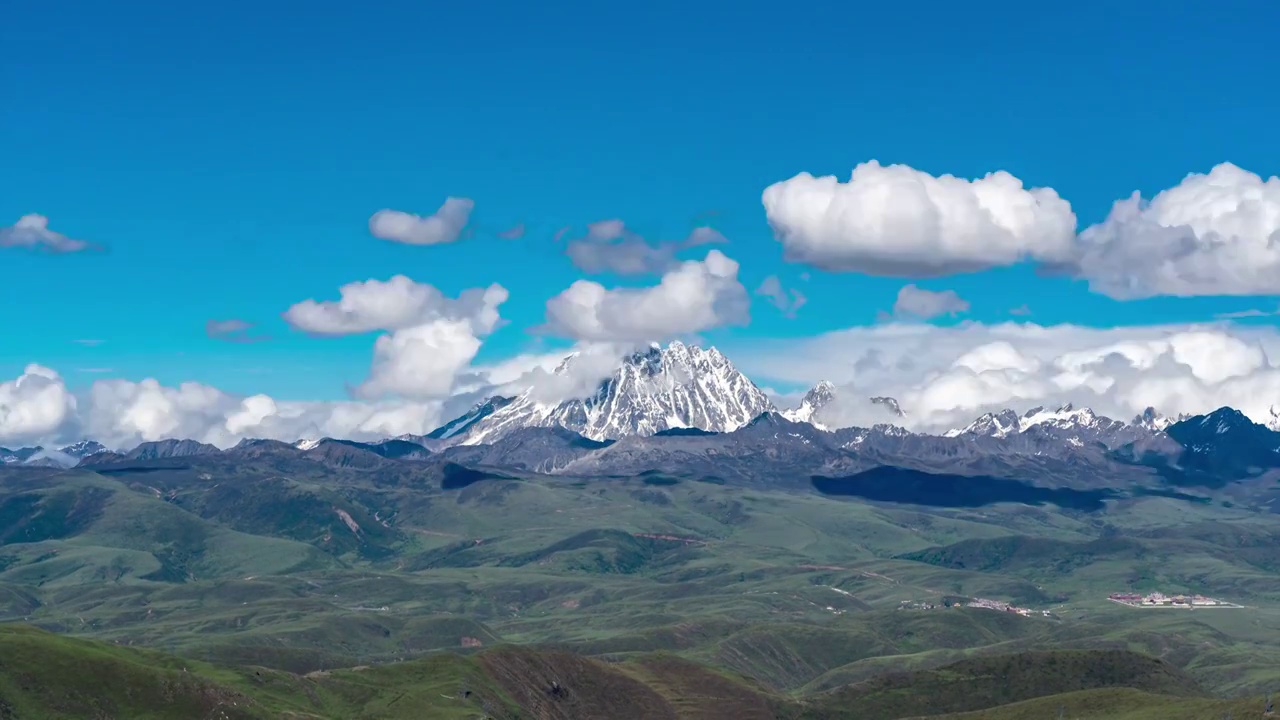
(443, 226)
(121, 414)
(897, 221)
(943, 377)
(420, 361)
(629, 255)
(395, 304)
(1214, 234)
(32, 231)
(788, 301)
(34, 405)
(432, 338)
(576, 374)
(695, 296)
(924, 304)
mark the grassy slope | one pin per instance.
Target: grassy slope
(797, 591)
(49, 677)
(1118, 704)
(985, 682)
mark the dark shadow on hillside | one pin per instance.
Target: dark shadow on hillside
(456, 477)
(914, 487)
(139, 469)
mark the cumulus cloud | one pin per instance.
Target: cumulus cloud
(443, 226)
(548, 377)
(788, 301)
(695, 296)
(897, 221)
(422, 361)
(232, 330)
(37, 408)
(1214, 234)
(611, 247)
(943, 377)
(578, 375)
(431, 337)
(916, 302)
(395, 304)
(1021, 311)
(32, 232)
(34, 405)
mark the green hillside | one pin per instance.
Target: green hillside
(48, 677)
(311, 568)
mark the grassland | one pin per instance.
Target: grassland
(48, 677)
(312, 569)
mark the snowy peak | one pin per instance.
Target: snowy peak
(1064, 418)
(1222, 421)
(822, 397)
(1076, 426)
(83, 449)
(1001, 424)
(818, 397)
(63, 457)
(479, 412)
(656, 389)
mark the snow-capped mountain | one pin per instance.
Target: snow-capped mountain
(462, 423)
(62, 457)
(1001, 424)
(1069, 424)
(1008, 422)
(83, 449)
(679, 386)
(1226, 443)
(818, 397)
(815, 407)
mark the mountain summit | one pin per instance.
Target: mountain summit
(1076, 426)
(679, 386)
(817, 407)
(818, 397)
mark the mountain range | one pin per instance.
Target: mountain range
(686, 409)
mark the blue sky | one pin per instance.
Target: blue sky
(229, 155)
